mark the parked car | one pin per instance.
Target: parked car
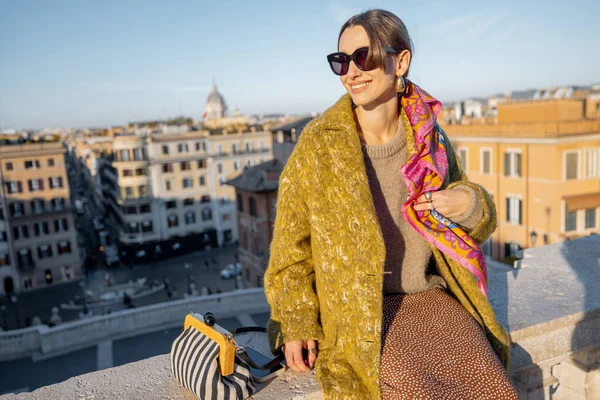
(231, 271)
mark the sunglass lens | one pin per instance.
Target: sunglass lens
(362, 59)
(339, 64)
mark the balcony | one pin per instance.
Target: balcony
(548, 301)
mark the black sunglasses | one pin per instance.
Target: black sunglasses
(340, 62)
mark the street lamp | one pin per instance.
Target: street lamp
(3, 309)
(13, 300)
(533, 236)
(85, 309)
(187, 277)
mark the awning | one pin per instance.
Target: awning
(582, 201)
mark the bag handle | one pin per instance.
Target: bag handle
(241, 353)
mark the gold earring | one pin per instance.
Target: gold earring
(400, 85)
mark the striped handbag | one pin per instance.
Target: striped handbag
(206, 360)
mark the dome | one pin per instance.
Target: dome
(215, 104)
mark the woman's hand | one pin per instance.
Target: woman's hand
(451, 203)
(293, 354)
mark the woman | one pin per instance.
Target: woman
(374, 261)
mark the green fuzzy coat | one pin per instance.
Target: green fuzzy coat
(325, 275)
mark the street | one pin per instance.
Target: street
(40, 302)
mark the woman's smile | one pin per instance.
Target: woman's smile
(358, 87)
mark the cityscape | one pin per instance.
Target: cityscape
(110, 235)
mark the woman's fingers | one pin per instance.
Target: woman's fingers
(450, 202)
(312, 352)
(293, 356)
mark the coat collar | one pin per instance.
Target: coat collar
(340, 118)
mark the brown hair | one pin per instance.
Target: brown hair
(384, 29)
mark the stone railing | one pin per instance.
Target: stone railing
(43, 341)
(549, 302)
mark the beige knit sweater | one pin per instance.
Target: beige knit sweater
(407, 253)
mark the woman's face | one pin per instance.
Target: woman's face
(367, 88)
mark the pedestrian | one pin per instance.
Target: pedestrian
(380, 265)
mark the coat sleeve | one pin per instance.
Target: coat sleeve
(486, 225)
(290, 276)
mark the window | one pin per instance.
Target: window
(205, 199)
(198, 146)
(128, 190)
(37, 206)
(165, 149)
(512, 163)
(4, 260)
(188, 202)
(20, 232)
(252, 206)
(206, 214)
(51, 162)
(570, 220)
(14, 187)
(236, 165)
(145, 208)
(140, 172)
(146, 226)
(202, 181)
(514, 208)
(41, 227)
(511, 249)
(44, 251)
(590, 218)
(240, 202)
(168, 186)
(24, 257)
(172, 221)
(9, 166)
(219, 149)
(226, 217)
(57, 203)
(63, 247)
(61, 225)
(261, 145)
(186, 166)
(143, 191)
(35, 185)
(167, 168)
(190, 218)
(124, 155)
(128, 210)
(55, 182)
(486, 161)
(591, 163)
(571, 165)
(3, 237)
(201, 163)
(249, 147)
(235, 148)
(220, 168)
(29, 164)
(17, 209)
(171, 204)
(132, 227)
(183, 147)
(139, 154)
(127, 172)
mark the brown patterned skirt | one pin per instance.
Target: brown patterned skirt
(432, 348)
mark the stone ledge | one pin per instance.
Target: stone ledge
(547, 336)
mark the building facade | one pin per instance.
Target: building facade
(256, 196)
(544, 175)
(167, 191)
(38, 244)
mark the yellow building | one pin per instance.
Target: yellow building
(543, 174)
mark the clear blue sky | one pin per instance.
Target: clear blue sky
(100, 63)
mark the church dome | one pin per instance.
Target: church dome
(215, 105)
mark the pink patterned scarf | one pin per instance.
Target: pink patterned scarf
(425, 171)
